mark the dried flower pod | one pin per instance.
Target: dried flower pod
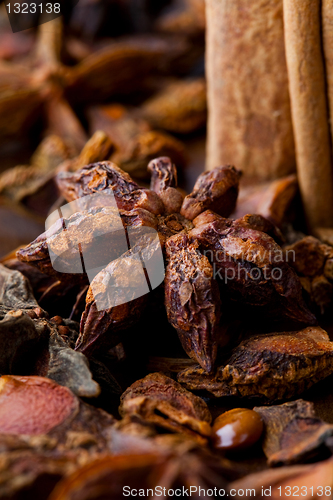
(83, 230)
(192, 300)
(253, 268)
(180, 106)
(24, 180)
(117, 122)
(127, 63)
(143, 148)
(271, 366)
(62, 121)
(170, 225)
(104, 328)
(251, 221)
(164, 183)
(216, 190)
(293, 433)
(135, 143)
(157, 394)
(312, 260)
(106, 175)
(260, 223)
(117, 296)
(98, 148)
(19, 98)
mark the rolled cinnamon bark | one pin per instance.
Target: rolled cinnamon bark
(302, 20)
(249, 122)
(327, 28)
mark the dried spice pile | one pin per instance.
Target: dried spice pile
(197, 381)
(92, 400)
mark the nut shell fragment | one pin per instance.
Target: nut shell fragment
(157, 394)
(271, 366)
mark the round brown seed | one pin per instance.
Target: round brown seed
(237, 429)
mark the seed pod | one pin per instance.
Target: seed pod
(192, 300)
(97, 234)
(216, 190)
(106, 175)
(164, 183)
(252, 268)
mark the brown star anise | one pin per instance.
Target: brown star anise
(198, 260)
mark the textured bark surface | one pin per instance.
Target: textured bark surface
(327, 34)
(305, 64)
(249, 122)
(272, 366)
(293, 433)
(163, 402)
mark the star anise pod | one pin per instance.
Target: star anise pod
(192, 300)
(42, 85)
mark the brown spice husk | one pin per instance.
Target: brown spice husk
(309, 109)
(293, 432)
(249, 123)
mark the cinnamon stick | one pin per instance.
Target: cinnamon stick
(249, 122)
(327, 29)
(302, 20)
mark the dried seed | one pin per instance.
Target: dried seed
(237, 429)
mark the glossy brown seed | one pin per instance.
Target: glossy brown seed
(237, 429)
